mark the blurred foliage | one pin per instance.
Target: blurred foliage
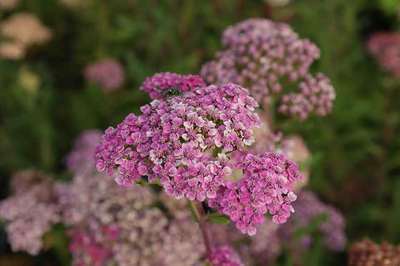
(45, 101)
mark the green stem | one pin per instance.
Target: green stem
(201, 218)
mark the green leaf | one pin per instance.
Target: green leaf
(217, 218)
(390, 6)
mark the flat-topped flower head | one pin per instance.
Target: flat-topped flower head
(267, 58)
(266, 186)
(30, 211)
(225, 256)
(181, 142)
(162, 85)
(261, 55)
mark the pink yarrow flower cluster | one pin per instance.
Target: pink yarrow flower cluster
(272, 239)
(173, 141)
(163, 84)
(114, 225)
(266, 187)
(266, 56)
(188, 143)
(384, 46)
(316, 95)
(107, 73)
(30, 212)
(225, 256)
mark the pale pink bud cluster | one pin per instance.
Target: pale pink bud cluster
(161, 85)
(115, 225)
(385, 47)
(30, 211)
(265, 57)
(107, 73)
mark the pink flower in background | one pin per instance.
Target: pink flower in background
(385, 47)
(260, 249)
(107, 73)
(308, 208)
(316, 95)
(124, 226)
(161, 84)
(367, 252)
(266, 57)
(115, 225)
(81, 158)
(225, 256)
(86, 251)
(30, 211)
(266, 140)
(258, 54)
(272, 239)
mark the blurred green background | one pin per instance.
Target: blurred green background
(356, 158)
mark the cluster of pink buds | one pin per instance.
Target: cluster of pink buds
(267, 57)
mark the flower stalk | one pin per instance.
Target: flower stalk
(201, 218)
